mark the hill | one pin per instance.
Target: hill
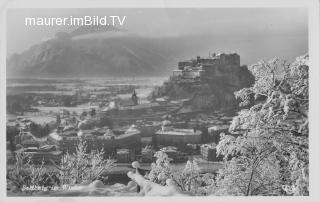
(77, 55)
(214, 89)
(93, 51)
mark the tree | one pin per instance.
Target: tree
(82, 166)
(25, 173)
(189, 179)
(161, 170)
(271, 157)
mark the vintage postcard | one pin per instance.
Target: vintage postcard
(182, 99)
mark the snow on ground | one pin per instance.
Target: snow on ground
(97, 188)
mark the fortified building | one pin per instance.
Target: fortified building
(202, 69)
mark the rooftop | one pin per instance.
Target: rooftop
(210, 146)
(132, 107)
(219, 127)
(178, 131)
(123, 151)
(88, 135)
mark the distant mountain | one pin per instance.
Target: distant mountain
(102, 51)
(94, 51)
(93, 29)
(81, 54)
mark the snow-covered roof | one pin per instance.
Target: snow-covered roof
(178, 131)
(211, 145)
(219, 127)
(132, 128)
(123, 151)
(56, 136)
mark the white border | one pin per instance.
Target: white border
(314, 111)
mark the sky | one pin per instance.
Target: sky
(242, 24)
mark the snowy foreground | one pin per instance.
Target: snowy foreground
(97, 188)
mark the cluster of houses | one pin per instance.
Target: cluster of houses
(124, 144)
(153, 130)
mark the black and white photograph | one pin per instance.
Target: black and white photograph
(182, 101)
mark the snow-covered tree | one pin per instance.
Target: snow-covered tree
(189, 179)
(271, 155)
(83, 166)
(25, 173)
(161, 170)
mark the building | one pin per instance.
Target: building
(148, 128)
(201, 69)
(209, 152)
(153, 110)
(169, 136)
(45, 154)
(174, 154)
(124, 156)
(109, 141)
(27, 139)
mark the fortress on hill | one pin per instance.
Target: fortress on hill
(203, 69)
(208, 83)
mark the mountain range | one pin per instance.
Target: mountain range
(91, 51)
(94, 51)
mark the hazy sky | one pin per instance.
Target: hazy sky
(223, 22)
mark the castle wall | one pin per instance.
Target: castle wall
(206, 68)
